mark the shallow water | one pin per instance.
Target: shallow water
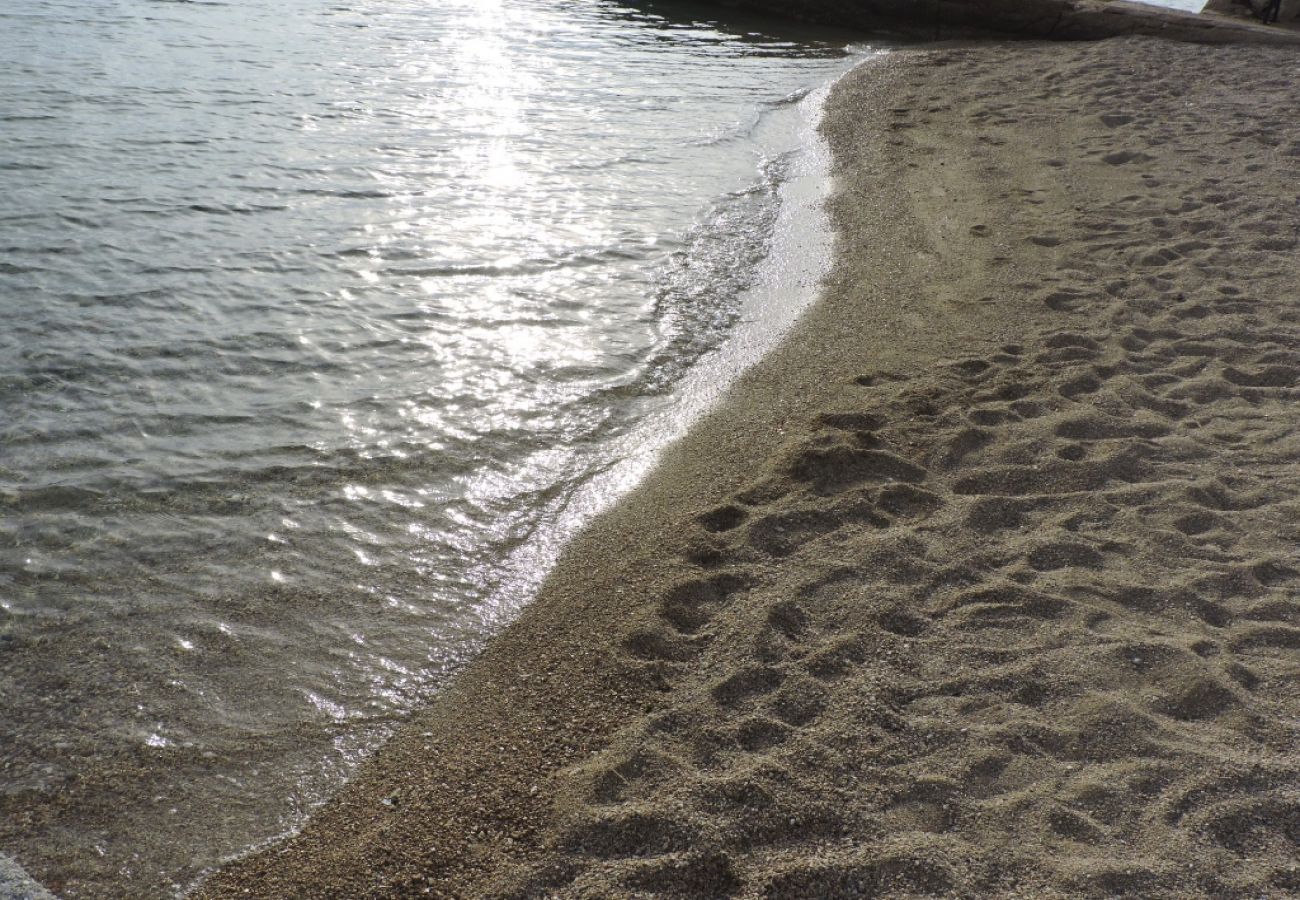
(316, 314)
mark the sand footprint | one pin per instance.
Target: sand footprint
(692, 604)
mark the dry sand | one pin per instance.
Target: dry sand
(983, 584)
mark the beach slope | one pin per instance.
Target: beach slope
(984, 583)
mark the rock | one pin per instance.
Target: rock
(16, 884)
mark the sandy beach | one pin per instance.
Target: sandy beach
(985, 583)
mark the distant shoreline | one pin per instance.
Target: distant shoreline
(977, 584)
(1069, 20)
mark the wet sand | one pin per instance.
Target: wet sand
(983, 584)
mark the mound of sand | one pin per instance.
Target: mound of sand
(995, 592)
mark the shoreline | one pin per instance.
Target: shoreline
(977, 583)
(785, 284)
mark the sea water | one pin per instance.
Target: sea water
(322, 324)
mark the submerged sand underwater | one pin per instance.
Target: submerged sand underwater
(983, 584)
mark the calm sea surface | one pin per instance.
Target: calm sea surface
(315, 314)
